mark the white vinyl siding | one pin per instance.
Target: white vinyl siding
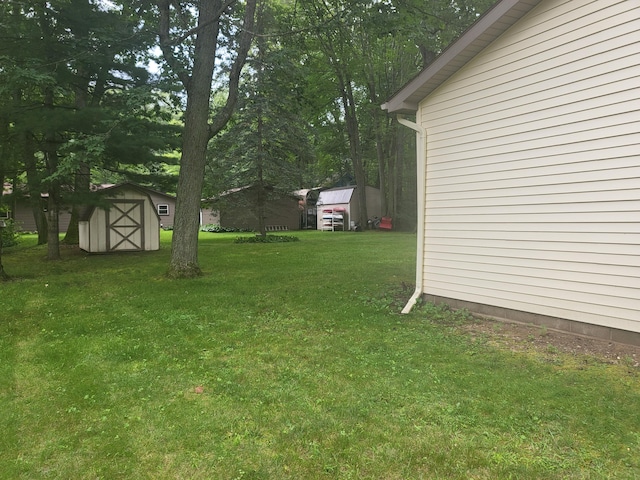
(94, 231)
(533, 168)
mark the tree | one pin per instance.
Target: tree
(335, 43)
(372, 49)
(266, 145)
(77, 93)
(191, 53)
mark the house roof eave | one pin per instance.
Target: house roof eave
(485, 30)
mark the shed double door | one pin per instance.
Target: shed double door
(125, 225)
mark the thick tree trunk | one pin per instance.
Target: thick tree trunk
(261, 192)
(184, 248)
(382, 171)
(197, 130)
(82, 179)
(53, 202)
(378, 121)
(34, 186)
(4, 277)
(3, 274)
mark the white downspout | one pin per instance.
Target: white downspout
(421, 162)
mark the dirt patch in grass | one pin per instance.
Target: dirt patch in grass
(550, 343)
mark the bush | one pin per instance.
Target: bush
(267, 239)
(9, 234)
(215, 228)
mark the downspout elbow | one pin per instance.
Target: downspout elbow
(412, 301)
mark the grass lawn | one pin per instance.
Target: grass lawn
(284, 361)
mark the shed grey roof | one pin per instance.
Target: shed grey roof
(485, 30)
(336, 196)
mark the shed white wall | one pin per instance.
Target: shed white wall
(352, 204)
(93, 233)
(533, 168)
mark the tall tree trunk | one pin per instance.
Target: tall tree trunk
(384, 177)
(184, 248)
(353, 133)
(34, 183)
(261, 211)
(82, 183)
(53, 205)
(392, 181)
(197, 130)
(53, 222)
(34, 186)
(82, 177)
(4, 127)
(380, 152)
(262, 192)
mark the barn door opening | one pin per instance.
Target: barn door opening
(125, 225)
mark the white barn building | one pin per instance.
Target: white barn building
(126, 221)
(528, 132)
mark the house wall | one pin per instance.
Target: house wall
(209, 216)
(533, 169)
(160, 199)
(278, 212)
(23, 215)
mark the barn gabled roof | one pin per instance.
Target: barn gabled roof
(485, 30)
(336, 196)
(108, 189)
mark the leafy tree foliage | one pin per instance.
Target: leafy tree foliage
(75, 97)
(266, 145)
(77, 100)
(368, 50)
(191, 34)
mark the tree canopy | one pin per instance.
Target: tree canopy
(282, 94)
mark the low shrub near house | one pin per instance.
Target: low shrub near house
(267, 239)
(215, 228)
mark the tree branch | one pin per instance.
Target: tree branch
(166, 43)
(196, 29)
(246, 37)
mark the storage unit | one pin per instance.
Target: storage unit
(334, 219)
(123, 219)
(344, 202)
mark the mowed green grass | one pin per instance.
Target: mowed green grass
(283, 361)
